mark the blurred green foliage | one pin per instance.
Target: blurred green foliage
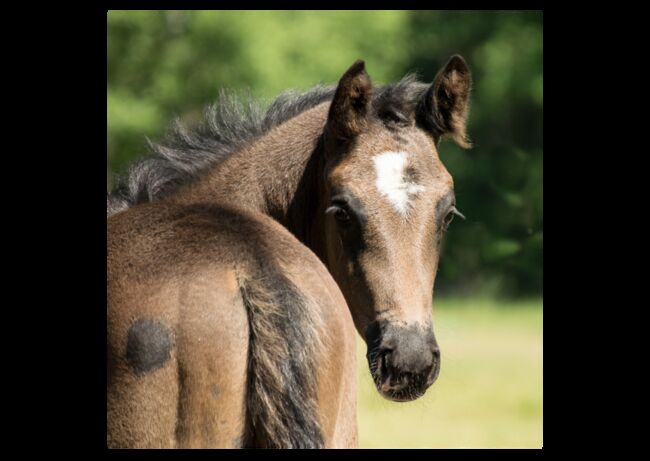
(171, 63)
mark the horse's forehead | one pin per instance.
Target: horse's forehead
(399, 181)
(393, 163)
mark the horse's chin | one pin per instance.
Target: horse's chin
(404, 395)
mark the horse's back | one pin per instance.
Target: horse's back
(184, 283)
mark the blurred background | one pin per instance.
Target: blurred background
(488, 302)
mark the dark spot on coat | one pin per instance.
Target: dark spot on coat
(149, 345)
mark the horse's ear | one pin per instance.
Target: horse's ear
(348, 112)
(444, 107)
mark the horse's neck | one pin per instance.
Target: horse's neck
(277, 175)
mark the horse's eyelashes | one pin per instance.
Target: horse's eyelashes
(453, 211)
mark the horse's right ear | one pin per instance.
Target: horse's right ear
(348, 112)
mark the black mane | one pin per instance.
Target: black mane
(229, 124)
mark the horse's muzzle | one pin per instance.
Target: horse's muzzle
(404, 360)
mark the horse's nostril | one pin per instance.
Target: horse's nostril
(436, 353)
(384, 362)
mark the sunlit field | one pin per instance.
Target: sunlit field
(488, 394)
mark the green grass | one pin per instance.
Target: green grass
(488, 394)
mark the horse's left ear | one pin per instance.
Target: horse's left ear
(444, 107)
(348, 113)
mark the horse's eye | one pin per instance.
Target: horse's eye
(340, 214)
(450, 217)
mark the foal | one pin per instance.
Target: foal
(353, 173)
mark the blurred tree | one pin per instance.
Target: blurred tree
(168, 63)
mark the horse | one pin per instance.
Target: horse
(268, 238)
